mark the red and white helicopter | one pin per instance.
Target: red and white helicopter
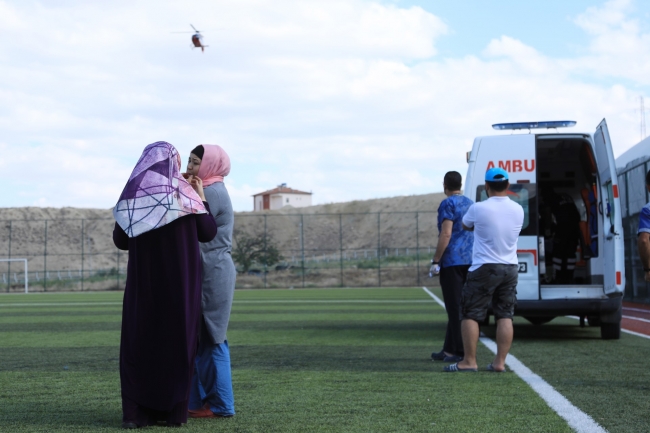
(197, 39)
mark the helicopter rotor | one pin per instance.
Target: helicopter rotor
(195, 30)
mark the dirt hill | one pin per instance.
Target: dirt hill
(55, 238)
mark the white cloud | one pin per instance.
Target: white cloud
(348, 99)
(619, 47)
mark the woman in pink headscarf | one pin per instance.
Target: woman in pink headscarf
(212, 394)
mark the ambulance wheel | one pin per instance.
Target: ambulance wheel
(610, 331)
(539, 320)
(610, 324)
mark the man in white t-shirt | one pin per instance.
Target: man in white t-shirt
(496, 224)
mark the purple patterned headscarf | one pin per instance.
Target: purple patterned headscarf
(156, 193)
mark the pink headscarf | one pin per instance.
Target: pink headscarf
(156, 193)
(215, 164)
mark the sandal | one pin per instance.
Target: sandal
(453, 368)
(438, 356)
(491, 368)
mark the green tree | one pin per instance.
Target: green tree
(255, 248)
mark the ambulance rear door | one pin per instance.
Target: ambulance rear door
(515, 154)
(610, 209)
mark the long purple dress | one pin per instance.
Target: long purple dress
(160, 319)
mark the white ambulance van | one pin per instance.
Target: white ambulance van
(545, 163)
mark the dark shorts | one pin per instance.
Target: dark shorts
(490, 282)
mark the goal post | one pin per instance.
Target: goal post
(26, 278)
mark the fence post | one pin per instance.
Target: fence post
(265, 256)
(379, 248)
(647, 198)
(647, 193)
(341, 246)
(417, 243)
(45, 259)
(11, 223)
(82, 252)
(302, 248)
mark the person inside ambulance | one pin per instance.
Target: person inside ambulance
(560, 221)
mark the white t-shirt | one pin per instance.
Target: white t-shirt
(497, 223)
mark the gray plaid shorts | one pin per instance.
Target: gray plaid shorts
(490, 282)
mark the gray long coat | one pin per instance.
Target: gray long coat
(219, 271)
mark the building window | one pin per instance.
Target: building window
(287, 200)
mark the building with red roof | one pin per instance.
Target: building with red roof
(280, 197)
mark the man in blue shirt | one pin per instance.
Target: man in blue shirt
(643, 235)
(452, 260)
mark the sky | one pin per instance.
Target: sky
(348, 99)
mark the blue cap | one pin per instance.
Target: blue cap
(496, 174)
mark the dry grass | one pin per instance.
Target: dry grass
(359, 229)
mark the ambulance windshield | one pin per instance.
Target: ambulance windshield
(526, 196)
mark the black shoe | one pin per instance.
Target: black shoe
(129, 425)
(453, 358)
(438, 356)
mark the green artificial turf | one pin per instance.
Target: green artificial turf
(328, 360)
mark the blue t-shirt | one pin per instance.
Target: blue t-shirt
(644, 220)
(459, 250)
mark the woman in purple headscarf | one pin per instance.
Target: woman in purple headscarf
(160, 219)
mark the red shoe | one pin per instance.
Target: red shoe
(204, 412)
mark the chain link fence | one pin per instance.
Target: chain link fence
(390, 249)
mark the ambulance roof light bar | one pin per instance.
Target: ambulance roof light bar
(535, 125)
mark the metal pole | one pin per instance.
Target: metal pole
(625, 219)
(11, 223)
(341, 246)
(302, 248)
(417, 243)
(647, 198)
(26, 278)
(82, 253)
(45, 259)
(647, 193)
(379, 248)
(265, 257)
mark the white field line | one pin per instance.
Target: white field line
(627, 331)
(337, 301)
(288, 301)
(637, 318)
(640, 310)
(577, 419)
(638, 334)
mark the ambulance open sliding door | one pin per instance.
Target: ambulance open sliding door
(610, 208)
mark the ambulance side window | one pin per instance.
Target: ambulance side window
(526, 196)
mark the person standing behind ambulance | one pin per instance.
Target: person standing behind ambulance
(493, 276)
(643, 235)
(452, 260)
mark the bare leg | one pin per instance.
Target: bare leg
(504, 341)
(470, 331)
